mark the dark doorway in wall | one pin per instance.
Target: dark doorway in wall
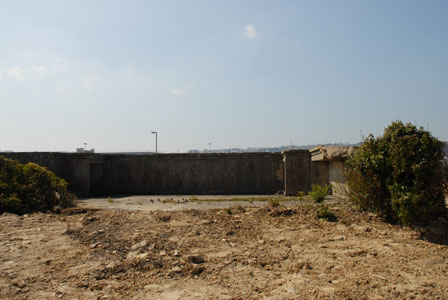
(96, 179)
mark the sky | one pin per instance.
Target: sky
(229, 73)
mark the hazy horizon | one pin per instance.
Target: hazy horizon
(235, 74)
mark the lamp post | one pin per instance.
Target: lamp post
(155, 132)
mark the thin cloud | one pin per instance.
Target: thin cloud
(15, 72)
(58, 65)
(39, 70)
(250, 32)
(182, 90)
(89, 80)
(21, 73)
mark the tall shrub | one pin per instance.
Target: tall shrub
(399, 175)
(28, 188)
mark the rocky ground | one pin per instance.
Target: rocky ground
(239, 253)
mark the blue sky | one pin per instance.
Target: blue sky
(229, 73)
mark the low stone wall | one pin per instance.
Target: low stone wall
(233, 173)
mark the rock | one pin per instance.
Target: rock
(176, 253)
(137, 258)
(164, 218)
(302, 265)
(197, 270)
(176, 269)
(338, 238)
(94, 245)
(139, 245)
(162, 253)
(196, 259)
(131, 255)
(19, 283)
(99, 275)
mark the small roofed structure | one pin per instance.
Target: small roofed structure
(328, 167)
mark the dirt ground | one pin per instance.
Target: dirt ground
(181, 202)
(240, 253)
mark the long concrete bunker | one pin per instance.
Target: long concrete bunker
(215, 173)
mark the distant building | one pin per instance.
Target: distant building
(82, 150)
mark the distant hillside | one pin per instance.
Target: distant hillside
(267, 149)
(282, 148)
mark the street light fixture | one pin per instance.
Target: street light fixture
(155, 132)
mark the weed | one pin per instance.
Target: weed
(229, 211)
(274, 202)
(241, 209)
(318, 192)
(324, 213)
(300, 195)
(109, 200)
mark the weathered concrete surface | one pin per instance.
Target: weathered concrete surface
(320, 173)
(247, 173)
(297, 166)
(337, 177)
(73, 167)
(328, 167)
(109, 174)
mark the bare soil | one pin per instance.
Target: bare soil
(242, 253)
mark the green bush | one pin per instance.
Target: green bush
(29, 188)
(318, 192)
(398, 175)
(324, 213)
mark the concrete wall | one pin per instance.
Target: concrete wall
(330, 173)
(50, 160)
(320, 173)
(245, 173)
(337, 178)
(73, 167)
(239, 173)
(235, 173)
(297, 166)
